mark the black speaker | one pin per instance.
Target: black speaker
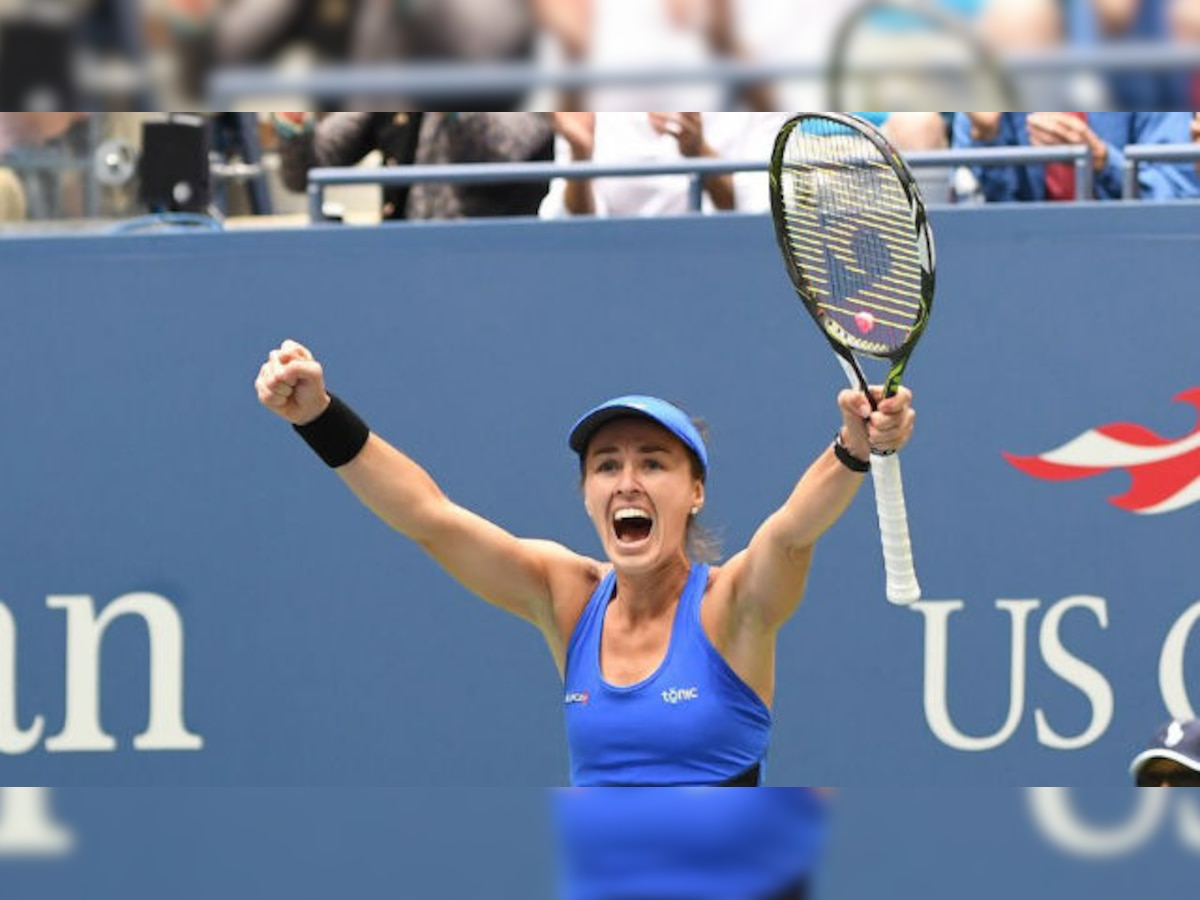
(174, 168)
(35, 67)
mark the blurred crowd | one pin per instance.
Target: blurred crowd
(81, 166)
(146, 54)
(106, 55)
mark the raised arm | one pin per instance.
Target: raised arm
(769, 576)
(520, 576)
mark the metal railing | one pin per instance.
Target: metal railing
(1136, 154)
(441, 80)
(696, 169)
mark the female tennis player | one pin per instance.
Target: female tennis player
(668, 662)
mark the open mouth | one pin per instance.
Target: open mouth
(632, 526)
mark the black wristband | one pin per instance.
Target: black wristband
(336, 435)
(848, 459)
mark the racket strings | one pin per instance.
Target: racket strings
(849, 225)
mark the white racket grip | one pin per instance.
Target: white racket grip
(902, 586)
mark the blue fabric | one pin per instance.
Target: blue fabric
(899, 20)
(692, 722)
(665, 414)
(1158, 181)
(694, 843)
(1131, 90)
(875, 118)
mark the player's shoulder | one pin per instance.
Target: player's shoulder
(573, 579)
(571, 576)
(721, 587)
(563, 562)
(722, 575)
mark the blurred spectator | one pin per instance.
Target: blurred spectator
(919, 131)
(1107, 133)
(665, 137)
(461, 31)
(910, 131)
(32, 129)
(667, 33)
(1172, 759)
(1037, 26)
(31, 188)
(12, 197)
(1196, 134)
(784, 32)
(1099, 22)
(215, 33)
(212, 33)
(658, 137)
(1183, 18)
(307, 141)
(345, 138)
(1184, 25)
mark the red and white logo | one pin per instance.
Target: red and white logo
(1165, 471)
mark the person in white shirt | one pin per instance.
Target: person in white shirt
(639, 137)
(661, 34)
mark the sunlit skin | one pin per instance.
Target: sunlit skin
(636, 464)
(631, 464)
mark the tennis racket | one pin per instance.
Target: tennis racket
(914, 54)
(858, 246)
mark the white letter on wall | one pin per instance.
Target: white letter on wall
(12, 739)
(1170, 666)
(1055, 815)
(85, 633)
(1075, 672)
(26, 826)
(937, 713)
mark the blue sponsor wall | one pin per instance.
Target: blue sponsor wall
(319, 649)
(454, 844)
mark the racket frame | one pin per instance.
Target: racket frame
(902, 585)
(945, 19)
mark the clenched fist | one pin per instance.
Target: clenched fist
(885, 430)
(292, 384)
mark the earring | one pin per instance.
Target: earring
(695, 510)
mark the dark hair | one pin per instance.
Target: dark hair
(702, 543)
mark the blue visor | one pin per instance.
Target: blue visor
(670, 417)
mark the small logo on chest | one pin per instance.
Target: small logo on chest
(574, 697)
(680, 695)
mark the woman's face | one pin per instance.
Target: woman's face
(640, 490)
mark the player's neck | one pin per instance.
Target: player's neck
(647, 595)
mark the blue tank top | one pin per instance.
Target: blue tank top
(698, 843)
(692, 722)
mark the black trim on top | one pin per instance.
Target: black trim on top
(752, 777)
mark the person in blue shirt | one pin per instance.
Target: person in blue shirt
(1091, 23)
(1107, 133)
(1195, 128)
(668, 662)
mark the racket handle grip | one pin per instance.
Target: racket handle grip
(902, 586)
